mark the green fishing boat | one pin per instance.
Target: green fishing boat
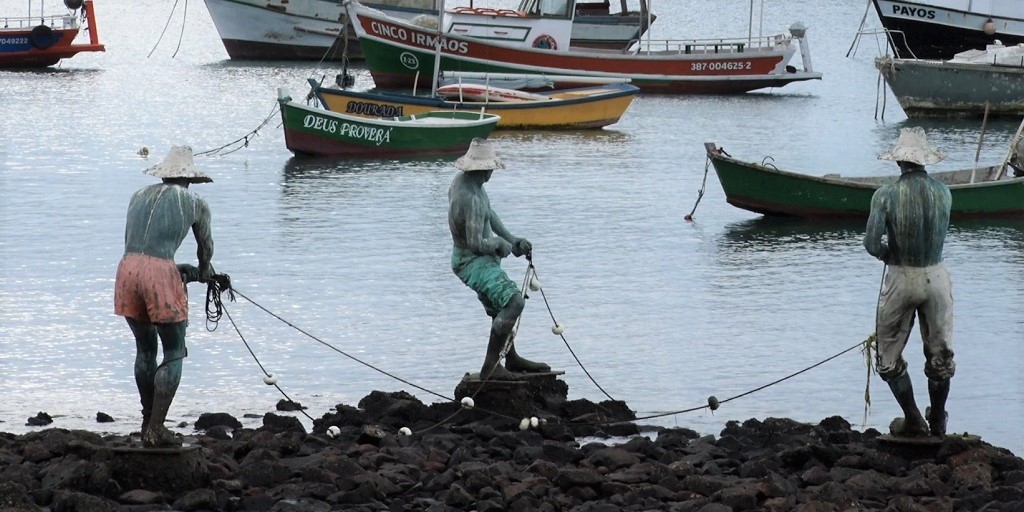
(319, 132)
(763, 188)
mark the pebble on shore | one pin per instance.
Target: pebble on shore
(486, 463)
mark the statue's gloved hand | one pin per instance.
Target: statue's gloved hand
(502, 248)
(189, 273)
(521, 246)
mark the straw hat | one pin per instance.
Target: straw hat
(178, 164)
(912, 146)
(479, 157)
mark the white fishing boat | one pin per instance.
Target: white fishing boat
(969, 84)
(318, 30)
(536, 41)
(939, 29)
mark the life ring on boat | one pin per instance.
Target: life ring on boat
(545, 42)
(41, 37)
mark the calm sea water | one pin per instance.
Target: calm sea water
(662, 312)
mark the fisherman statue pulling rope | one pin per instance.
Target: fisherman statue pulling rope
(150, 289)
(913, 215)
(477, 254)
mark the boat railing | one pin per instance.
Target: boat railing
(52, 21)
(701, 46)
(895, 40)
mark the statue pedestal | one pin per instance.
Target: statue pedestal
(167, 470)
(917, 448)
(532, 394)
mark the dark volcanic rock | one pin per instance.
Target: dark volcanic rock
(208, 420)
(467, 459)
(39, 420)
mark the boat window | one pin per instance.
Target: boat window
(558, 8)
(528, 6)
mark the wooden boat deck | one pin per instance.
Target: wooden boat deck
(958, 177)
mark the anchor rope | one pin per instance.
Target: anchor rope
(342, 34)
(181, 35)
(175, 6)
(243, 140)
(700, 193)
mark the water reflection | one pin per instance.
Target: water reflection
(774, 233)
(305, 168)
(608, 135)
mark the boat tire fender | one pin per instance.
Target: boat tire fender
(41, 37)
(74, 5)
(545, 42)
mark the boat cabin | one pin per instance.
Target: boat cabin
(604, 8)
(542, 24)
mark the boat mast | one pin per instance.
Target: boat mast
(437, 50)
(760, 24)
(750, 25)
(648, 32)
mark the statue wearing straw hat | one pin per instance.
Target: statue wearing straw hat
(150, 289)
(913, 216)
(480, 242)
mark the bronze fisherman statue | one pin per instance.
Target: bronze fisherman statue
(913, 216)
(150, 289)
(480, 242)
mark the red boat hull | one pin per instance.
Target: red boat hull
(42, 46)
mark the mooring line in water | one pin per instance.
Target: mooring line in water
(345, 76)
(175, 6)
(243, 140)
(181, 35)
(700, 194)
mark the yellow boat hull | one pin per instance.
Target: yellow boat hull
(570, 109)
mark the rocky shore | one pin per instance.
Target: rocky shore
(457, 458)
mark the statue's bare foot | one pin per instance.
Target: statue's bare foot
(157, 436)
(519, 364)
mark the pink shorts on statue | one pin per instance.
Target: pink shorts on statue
(150, 290)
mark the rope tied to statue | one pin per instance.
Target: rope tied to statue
(215, 286)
